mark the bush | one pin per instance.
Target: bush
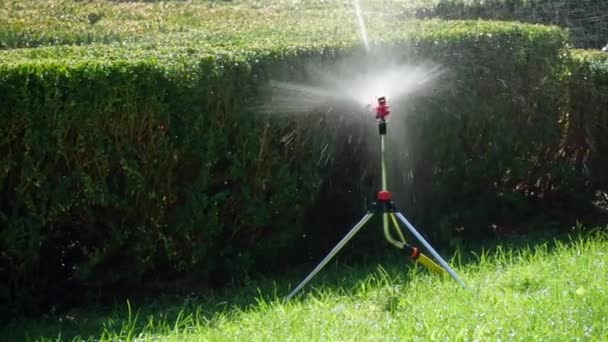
(588, 119)
(483, 147)
(115, 169)
(128, 164)
(584, 18)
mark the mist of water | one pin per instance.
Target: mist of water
(350, 84)
(355, 81)
(361, 23)
(349, 89)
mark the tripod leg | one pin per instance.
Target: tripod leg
(415, 253)
(331, 254)
(430, 249)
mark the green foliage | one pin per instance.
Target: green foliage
(588, 118)
(112, 170)
(221, 24)
(480, 147)
(134, 161)
(25, 23)
(584, 18)
(82, 179)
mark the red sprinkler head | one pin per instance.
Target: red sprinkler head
(382, 111)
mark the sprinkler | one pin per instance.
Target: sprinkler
(385, 206)
(382, 111)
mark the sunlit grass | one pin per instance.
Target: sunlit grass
(552, 291)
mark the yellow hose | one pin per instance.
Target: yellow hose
(396, 225)
(430, 264)
(423, 259)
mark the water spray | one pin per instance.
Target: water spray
(390, 214)
(361, 24)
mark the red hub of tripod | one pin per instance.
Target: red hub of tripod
(384, 196)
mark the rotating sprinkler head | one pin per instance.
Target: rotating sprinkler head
(382, 111)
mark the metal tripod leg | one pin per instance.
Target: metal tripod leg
(430, 249)
(331, 254)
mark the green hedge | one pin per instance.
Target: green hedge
(481, 148)
(222, 24)
(127, 164)
(588, 119)
(116, 169)
(585, 18)
(27, 24)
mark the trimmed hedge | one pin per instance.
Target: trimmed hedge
(128, 164)
(584, 18)
(112, 171)
(27, 24)
(479, 150)
(223, 25)
(588, 120)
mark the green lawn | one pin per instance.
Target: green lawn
(552, 291)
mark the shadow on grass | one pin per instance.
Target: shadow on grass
(341, 279)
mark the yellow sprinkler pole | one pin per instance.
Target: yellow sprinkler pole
(396, 225)
(387, 234)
